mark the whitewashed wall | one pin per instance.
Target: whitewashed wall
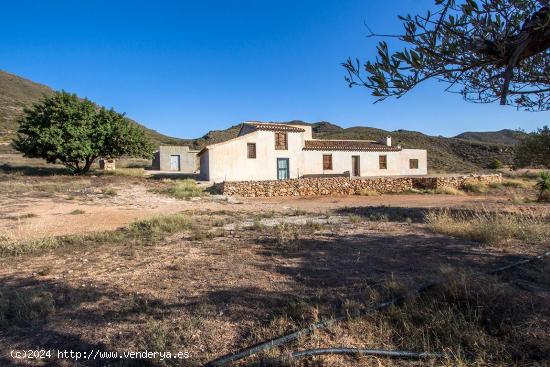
(397, 162)
(228, 161)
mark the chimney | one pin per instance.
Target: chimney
(386, 141)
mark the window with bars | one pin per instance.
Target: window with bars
(327, 161)
(281, 141)
(383, 162)
(413, 163)
(251, 148)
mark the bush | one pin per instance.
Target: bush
(543, 185)
(496, 164)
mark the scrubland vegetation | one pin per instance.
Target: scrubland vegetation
(495, 229)
(213, 281)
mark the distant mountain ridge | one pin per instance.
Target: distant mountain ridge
(505, 136)
(466, 152)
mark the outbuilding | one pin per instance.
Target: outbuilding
(176, 158)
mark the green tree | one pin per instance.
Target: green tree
(534, 149)
(485, 50)
(543, 185)
(75, 132)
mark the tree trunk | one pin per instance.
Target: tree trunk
(88, 165)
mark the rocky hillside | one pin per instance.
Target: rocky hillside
(17, 92)
(505, 136)
(465, 153)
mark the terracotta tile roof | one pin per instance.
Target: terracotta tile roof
(271, 126)
(349, 145)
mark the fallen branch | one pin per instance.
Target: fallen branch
(370, 352)
(247, 352)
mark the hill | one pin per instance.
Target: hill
(444, 154)
(17, 92)
(505, 136)
(465, 152)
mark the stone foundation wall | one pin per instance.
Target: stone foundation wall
(348, 186)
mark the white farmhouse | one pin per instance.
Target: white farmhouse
(273, 151)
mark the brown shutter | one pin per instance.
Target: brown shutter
(382, 162)
(251, 150)
(281, 141)
(327, 161)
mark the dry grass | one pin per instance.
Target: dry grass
(447, 191)
(494, 229)
(472, 319)
(126, 172)
(475, 187)
(516, 183)
(48, 187)
(181, 189)
(144, 232)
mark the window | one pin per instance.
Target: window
(327, 161)
(251, 148)
(413, 163)
(281, 141)
(382, 162)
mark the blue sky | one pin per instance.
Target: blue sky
(186, 67)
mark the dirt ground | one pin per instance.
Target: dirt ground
(32, 215)
(241, 279)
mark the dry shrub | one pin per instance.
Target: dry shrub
(287, 235)
(494, 229)
(474, 319)
(25, 306)
(516, 183)
(474, 186)
(462, 317)
(355, 218)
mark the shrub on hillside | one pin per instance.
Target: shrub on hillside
(496, 164)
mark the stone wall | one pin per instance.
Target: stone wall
(347, 186)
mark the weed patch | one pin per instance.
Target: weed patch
(494, 229)
(184, 189)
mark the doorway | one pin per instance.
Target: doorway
(355, 166)
(283, 171)
(174, 163)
